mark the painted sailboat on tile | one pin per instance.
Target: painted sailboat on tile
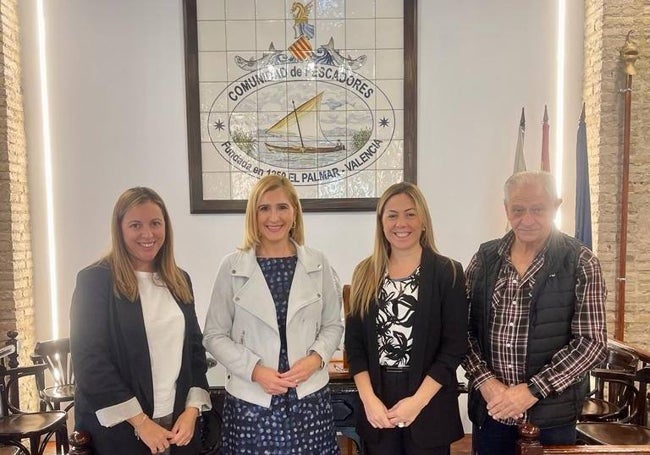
(303, 124)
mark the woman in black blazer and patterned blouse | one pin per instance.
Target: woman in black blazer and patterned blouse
(405, 333)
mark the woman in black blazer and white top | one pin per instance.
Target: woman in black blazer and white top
(136, 344)
(405, 333)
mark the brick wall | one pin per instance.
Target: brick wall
(16, 302)
(606, 26)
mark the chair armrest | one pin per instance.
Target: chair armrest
(612, 375)
(13, 376)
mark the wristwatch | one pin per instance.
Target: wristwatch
(534, 390)
(322, 362)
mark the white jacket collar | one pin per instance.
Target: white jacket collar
(247, 261)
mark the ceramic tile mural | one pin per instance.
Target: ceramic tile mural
(312, 90)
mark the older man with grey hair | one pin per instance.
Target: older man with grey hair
(536, 325)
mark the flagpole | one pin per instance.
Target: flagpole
(546, 161)
(629, 54)
(583, 197)
(520, 159)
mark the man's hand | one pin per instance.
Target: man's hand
(511, 403)
(491, 388)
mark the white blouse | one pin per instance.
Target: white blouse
(165, 328)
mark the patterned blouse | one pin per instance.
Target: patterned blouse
(395, 318)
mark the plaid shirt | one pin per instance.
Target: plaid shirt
(508, 326)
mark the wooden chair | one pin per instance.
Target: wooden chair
(615, 395)
(6, 351)
(616, 433)
(529, 444)
(643, 397)
(16, 424)
(56, 355)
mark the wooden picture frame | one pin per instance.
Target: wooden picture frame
(205, 126)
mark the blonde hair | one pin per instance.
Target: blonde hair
(125, 282)
(265, 184)
(368, 273)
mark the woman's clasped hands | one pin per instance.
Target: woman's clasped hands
(401, 415)
(276, 383)
(158, 439)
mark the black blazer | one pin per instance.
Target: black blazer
(439, 344)
(110, 354)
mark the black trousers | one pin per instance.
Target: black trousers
(398, 441)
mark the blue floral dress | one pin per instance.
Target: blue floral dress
(290, 425)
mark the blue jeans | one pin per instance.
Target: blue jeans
(495, 438)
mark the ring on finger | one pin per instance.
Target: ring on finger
(401, 424)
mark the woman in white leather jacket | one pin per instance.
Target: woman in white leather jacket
(274, 322)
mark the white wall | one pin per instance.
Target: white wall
(117, 112)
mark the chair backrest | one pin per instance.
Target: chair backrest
(56, 355)
(10, 378)
(5, 352)
(621, 359)
(642, 400)
(620, 390)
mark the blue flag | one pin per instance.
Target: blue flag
(583, 199)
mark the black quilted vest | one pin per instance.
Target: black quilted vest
(551, 311)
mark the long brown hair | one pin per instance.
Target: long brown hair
(368, 273)
(125, 282)
(264, 185)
